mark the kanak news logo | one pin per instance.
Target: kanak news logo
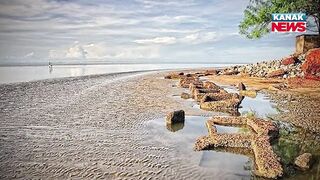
(289, 22)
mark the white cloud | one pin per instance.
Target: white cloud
(102, 51)
(29, 54)
(201, 37)
(76, 52)
(157, 40)
(163, 3)
(120, 29)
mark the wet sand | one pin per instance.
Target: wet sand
(90, 127)
(109, 126)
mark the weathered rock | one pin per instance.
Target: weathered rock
(185, 95)
(175, 117)
(276, 73)
(241, 87)
(291, 66)
(174, 76)
(211, 72)
(230, 72)
(217, 97)
(248, 93)
(289, 60)
(266, 161)
(185, 82)
(311, 67)
(220, 103)
(203, 143)
(304, 161)
(199, 93)
(210, 85)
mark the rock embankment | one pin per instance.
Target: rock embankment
(295, 66)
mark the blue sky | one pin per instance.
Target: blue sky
(132, 30)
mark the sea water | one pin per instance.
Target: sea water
(11, 74)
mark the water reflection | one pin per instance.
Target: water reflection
(260, 104)
(229, 129)
(9, 74)
(182, 137)
(50, 69)
(175, 127)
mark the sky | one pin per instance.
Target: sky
(132, 31)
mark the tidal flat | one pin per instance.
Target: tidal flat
(113, 127)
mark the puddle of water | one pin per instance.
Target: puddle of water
(230, 129)
(260, 105)
(291, 143)
(183, 136)
(197, 106)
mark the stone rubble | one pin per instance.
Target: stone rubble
(295, 66)
(266, 161)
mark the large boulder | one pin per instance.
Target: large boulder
(304, 161)
(175, 117)
(289, 60)
(311, 66)
(276, 73)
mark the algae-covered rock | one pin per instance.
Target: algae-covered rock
(175, 127)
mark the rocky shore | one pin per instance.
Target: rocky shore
(303, 67)
(212, 97)
(293, 83)
(94, 127)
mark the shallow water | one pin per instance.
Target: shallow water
(260, 105)
(10, 74)
(291, 143)
(182, 137)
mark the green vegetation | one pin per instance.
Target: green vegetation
(257, 16)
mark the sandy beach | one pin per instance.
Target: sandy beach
(150, 89)
(88, 127)
(99, 127)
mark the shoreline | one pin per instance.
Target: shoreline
(14, 74)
